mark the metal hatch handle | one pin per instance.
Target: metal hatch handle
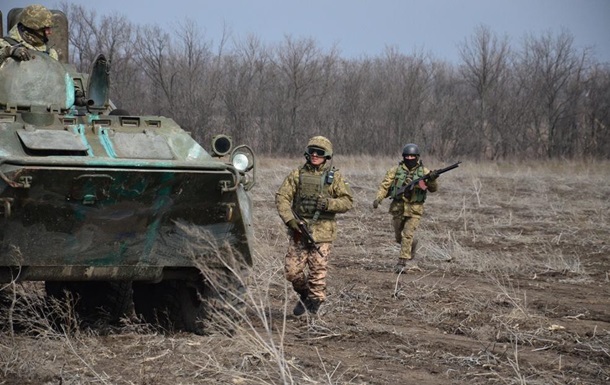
(106, 176)
(224, 187)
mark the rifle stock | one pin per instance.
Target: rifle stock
(404, 190)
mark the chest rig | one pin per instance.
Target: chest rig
(403, 177)
(310, 187)
(14, 42)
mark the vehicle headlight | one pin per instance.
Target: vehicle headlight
(240, 161)
(242, 158)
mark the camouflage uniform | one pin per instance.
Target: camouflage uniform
(32, 18)
(296, 193)
(406, 212)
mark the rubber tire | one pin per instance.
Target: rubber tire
(195, 307)
(96, 300)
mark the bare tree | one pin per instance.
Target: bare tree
(595, 133)
(243, 89)
(303, 77)
(82, 35)
(355, 102)
(198, 80)
(90, 35)
(485, 69)
(546, 99)
(448, 130)
(551, 70)
(405, 83)
(154, 55)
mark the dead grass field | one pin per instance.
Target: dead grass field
(515, 289)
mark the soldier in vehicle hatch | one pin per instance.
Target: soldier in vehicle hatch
(406, 209)
(307, 201)
(30, 33)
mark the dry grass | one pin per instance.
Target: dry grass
(506, 249)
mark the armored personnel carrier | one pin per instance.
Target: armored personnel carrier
(123, 212)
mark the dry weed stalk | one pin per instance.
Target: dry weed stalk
(514, 364)
(510, 294)
(540, 229)
(249, 314)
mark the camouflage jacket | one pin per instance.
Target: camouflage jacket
(403, 206)
(14, 34)
(339, 195)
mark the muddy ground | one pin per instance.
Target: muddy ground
(514, 288)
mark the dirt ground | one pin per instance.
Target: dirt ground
(514, 288)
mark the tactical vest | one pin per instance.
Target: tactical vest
(310, 187)
(402, 178)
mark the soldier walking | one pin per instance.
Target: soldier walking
(406, 209)
(307, 201)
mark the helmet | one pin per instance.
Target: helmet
(322, 143)
(410, 149)
(36, 17)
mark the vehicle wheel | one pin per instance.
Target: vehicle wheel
(93, 301)
(201, 308)
(61, 306)
(145, 302)
(170, 304)
(113, 299)
(223, 301)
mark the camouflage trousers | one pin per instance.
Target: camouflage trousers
(306, 269)
(404, 231)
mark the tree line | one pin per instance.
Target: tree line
(542, 99)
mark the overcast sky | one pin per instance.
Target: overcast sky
(360, 27)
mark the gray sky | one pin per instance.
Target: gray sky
(360, 27)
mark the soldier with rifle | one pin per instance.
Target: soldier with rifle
(407, 185)
(307, 201)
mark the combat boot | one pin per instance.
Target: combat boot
(313, 305)
(400, 265)
(300, 307)
(403, 265)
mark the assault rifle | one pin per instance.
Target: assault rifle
(406, 189)
(308, 241)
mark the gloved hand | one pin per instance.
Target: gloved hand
(293, 225)
(376, 203)
(20, 53)
(322, 204)
(433, 174)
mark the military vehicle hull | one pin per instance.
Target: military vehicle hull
(125, 213)
(112, 223)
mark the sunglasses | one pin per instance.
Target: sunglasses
(316, 151)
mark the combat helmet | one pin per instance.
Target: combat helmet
(410, 149)
(322, 143)
(36, 17)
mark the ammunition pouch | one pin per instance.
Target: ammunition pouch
(311, 186)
